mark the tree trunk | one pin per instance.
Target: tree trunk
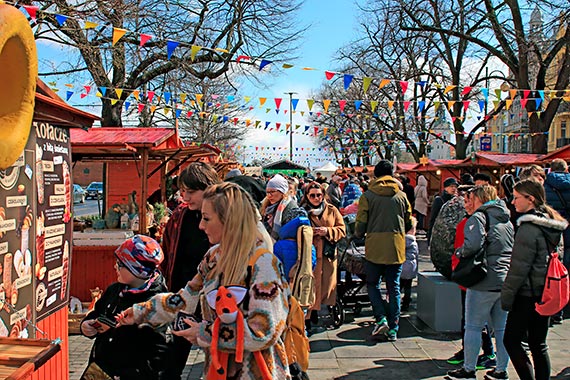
(460, 147)
(111, 114)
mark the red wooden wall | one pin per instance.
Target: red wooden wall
(91, 266)
(57, 368)
(123, 178)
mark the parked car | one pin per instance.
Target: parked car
(94, 190)
(78, 194)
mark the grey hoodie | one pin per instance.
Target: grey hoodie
(537, 235)
(498, 242)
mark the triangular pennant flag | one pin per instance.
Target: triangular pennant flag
(341, 105)
(183, 97)
(513, 93)
(136, 94)
(466, 90)
(150, 95)
(230, 98)
(257, 123)
(481, 105)
(87, 89)
(485, 92)
(170, 46)
(347, 80)
(287, 66)
(294, 103)
(103, 90)
(310, 103)
(404, 86)
(315, 130)
(264, 63)
(450, 104)
(383, 83)
(82, 95)
(278, 102)
(329, 75)
(267, 123)
(167, 96)
(307, 127)
(496, 104)
(179, 111)
(277, 126)
(357, 104)
(32, 10)
(541, 94)
(119, 92)
(498, 93)
(140, 107)
(523, 103)
(262, 102)
(537, 102)
(326, 104)
(127, 105)
(242, 57)
(90, 25)
(390, 104)
(407, 105)
(61, 19)
(526, 93)
(68, 95)
(449, 88)
(144, 39)
(366, 81)
(189, 114)
(325, 129)
(465, 105)
(436, 105)
(114, 101)
(246, 99)
(117, 34)
(373, 105)
(421, 105)
(166, 110)
(194, 50)
(508, 103)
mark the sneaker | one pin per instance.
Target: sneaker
(381, 327)
(461, 373)
(486, 361)
(494, 374)
(392, 335)
(457, 358)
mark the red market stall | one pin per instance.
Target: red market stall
(497, 164)
(561, 153)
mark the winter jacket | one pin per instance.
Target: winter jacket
(286, 247)
(334, 194)
(421, 196)
(265, 315)
(497, 242)
(184, 245)
(350, 194)
(410, 266)
(536, 237)
(436, 206)
(561, 182)
(253, 186)
(384, 215)
(131, 352)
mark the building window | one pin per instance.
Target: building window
(563, 129)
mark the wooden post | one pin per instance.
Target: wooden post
(163, 184)
(144, 191)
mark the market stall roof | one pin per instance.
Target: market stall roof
(283, 164)
(49, 107)
(563, 153)
(488, 159)
(434, 165)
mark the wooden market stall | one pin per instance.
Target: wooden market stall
(497, 164)
(562, 153)
(136, 161)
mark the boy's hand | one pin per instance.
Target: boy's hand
(126, 317)
(88, 329)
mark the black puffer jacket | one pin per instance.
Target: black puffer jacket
(536, 237)
(130, 352)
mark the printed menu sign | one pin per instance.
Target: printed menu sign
(53, 222)
(17, 231)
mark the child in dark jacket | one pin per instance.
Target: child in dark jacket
(128, 352)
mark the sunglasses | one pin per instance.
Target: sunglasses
(119, 264)
(315, 196)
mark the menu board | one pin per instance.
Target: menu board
(53, 190)
(17, 243)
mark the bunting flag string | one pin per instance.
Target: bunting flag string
(118, 33)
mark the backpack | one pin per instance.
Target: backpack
(556, 291)
(302, 281)
(296, 342)
(443, 235)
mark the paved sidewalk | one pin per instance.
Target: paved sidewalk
(347, 353)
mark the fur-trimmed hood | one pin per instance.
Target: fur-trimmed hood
(550, 227)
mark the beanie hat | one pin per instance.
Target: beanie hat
(278, 183)
(450, 182)
(141, 255)
(233, 173)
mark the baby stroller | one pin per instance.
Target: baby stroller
(351, 282)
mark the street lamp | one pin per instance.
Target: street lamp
(290, 125)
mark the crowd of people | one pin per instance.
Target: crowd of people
(177, 292)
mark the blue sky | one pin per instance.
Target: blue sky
(332, 25)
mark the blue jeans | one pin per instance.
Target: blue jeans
(389, 308)
(480, 308)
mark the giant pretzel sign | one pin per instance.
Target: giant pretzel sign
(18, 73)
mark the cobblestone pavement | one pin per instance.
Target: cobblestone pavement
(347, 353)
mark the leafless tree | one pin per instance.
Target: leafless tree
(225, 30)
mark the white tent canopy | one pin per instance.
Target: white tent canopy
(326, 170)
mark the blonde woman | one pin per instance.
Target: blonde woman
(230, 220)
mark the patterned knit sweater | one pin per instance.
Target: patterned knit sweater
(265, 318)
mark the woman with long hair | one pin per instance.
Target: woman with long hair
(539, 231)
(328, 229)
(230, 220)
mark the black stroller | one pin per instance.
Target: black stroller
(351, 282)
